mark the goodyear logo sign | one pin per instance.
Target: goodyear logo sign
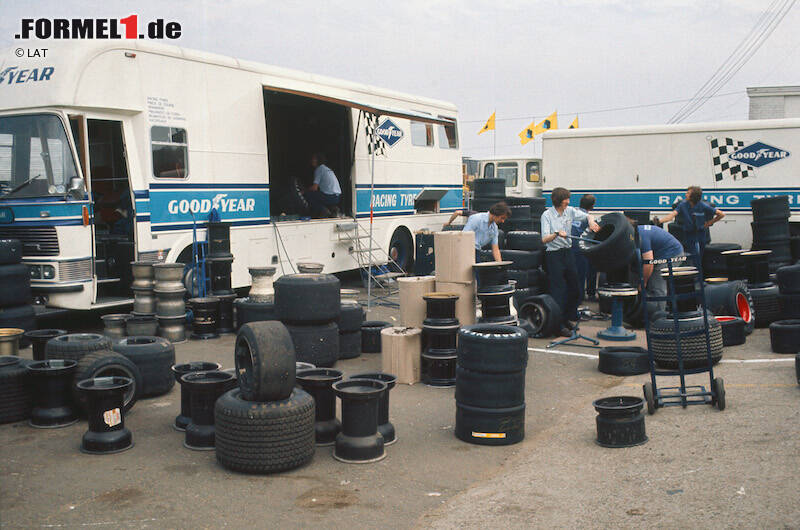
(389, 132)
(758, 154)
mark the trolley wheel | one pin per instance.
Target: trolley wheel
(649, 397)
(718, 389)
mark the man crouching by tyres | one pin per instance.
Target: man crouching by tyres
(559, 262)
(485, 227)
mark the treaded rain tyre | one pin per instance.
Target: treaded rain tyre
(493, 391)
(732, 330)
(483, 426)
(10, 251)
(771, 208)
(154, 356)
(267, 437)
(307, 298)
(616, 245)
(524, 241)
(105, 363)
(265, 361)
(790, 305)
(693, 348)
(349, 344)
(788, 279)
(15, 397)
(508, 346)
(766, 305)
(350, 317)
(371, 335)
(523, 259)
(494, 188)
(784, 336)
(316, 344)
(250, 311)
(74, 346)
(540, 316)
(623, 360)
(15, 285)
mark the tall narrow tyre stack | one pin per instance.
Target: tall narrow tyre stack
(537, 207)
(16, 310)
(520, 219)
(784, 336)
(350, 320)
(486, 192)
(495, 292)
(273, 430)
(154, 357)
(15, 396)
(439, 332)
(490, 389)
(309, 305)
(170, 301)
(734, 264)
(771, 229)
(714, 262)
(529, 277)
(788, 279)
(220, 260)
(765, 294)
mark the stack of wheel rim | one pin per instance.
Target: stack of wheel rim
(266, 424)
(310, 305)
(351, 317)
(495, 292)
(259, 305)
(486, 192)
(170, 301)
(771, 229)
(439, 333)
(764, 292)
(691, 323)
(144, 302)
(220, 260)
(715, 259)
(16, 311)
(490, 384)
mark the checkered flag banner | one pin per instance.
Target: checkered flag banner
(723, 166)
(370, 123)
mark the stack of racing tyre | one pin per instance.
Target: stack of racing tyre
(487, 192)
(771, 229)
(309, 305)
(784, 334)
(266, 423)
(16, 310)
(715, 263)
(763, 291)
(351, 317)
(536, 205)
(490, 389)
(525, 251)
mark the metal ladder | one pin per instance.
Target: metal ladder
(373, 261)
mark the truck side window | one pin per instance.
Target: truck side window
(170, 152)
(488, 171)
(421, 134)
(532, 171)
(448, 139)
(508, 171)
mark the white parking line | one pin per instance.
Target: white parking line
(562, 352)
(730, 361)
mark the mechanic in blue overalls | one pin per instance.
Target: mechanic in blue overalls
(695, 216)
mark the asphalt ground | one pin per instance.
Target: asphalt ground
(700, 468)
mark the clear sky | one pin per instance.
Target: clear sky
(523, 59)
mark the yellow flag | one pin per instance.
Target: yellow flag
(489, 124)
(574, 124)
(550, 122)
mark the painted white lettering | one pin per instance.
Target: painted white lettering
(205, 206)
(733, 200)
(184, 207)
(172, 207)
(715, 199)
(663, 200)
(240, 205)
(250, 205)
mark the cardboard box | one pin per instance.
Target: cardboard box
(412, 306)
(455, 256)
(401, 353)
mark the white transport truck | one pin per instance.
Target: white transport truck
(650, 167)
(112, 152)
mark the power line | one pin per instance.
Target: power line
(598, 111)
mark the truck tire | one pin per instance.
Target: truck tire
(307, 298)
(15, 397)
(524, 241)
(265, 361)
(769, 208)
(731, 299)
(508, 344)
(250, 311)
(766, 304)
(371, 335)
(788, 279)
(10, 251)
(523, 259)
(732, 330)
(784, 336)
(15, 285)
(350, 317)
(693, 348)
(74, 346)
(154, 357)
(265, 437)
(105, 363)
(616, 246)
(490, 390)
(623, 360)
(540, 316)
(493, 188)
(349, 344)
(317, 344)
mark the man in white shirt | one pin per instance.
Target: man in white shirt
(562, 274)
(325, 193)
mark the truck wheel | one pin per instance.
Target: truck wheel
(401, 249)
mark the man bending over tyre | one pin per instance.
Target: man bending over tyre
(485, 227)
(559, 261)
(656, 243)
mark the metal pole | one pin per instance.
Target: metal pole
(371, 198)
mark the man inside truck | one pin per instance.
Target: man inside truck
(690, 209)
(324, 194)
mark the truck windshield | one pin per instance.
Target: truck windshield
(35, 158)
